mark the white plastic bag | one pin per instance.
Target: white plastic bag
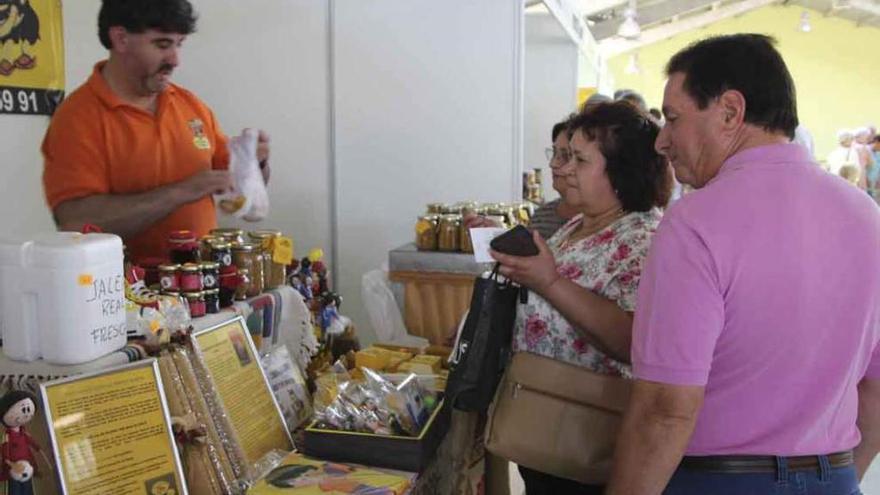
(249, 199)
(383, 311)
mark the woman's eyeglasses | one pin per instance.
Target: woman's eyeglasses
(557, 153)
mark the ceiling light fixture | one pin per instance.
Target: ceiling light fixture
(805, 26)
(630, 28)
(633, 67)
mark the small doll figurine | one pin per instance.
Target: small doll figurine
(305, 268)
(332, 323)
(17, 408)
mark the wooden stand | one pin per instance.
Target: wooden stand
(434, 302)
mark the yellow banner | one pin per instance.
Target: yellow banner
(31, 56)
(111, 434)
(249, 404)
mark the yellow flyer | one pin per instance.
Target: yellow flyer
(300, 475)
(31, 56)
(228, 355)
(110, 433)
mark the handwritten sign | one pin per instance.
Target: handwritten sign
(105, 301)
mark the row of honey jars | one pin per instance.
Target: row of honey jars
(221, 244)
(442, 233)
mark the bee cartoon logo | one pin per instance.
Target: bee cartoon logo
(19, 32)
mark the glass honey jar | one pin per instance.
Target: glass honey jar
(448, 233)
(249, 257)
(274, 274)
(426, 232)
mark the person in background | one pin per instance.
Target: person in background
(756, 359)
(862, 145)
(631, 97)
(595, 99)
(551, 215)
(130, 151)
(843, 154)
(582, 284)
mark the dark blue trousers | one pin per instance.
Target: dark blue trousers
(822, 481)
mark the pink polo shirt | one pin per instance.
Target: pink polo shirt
(764, 287)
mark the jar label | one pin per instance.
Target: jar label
(423, 226)
(283, 252)
(210, 281)
(166, 282)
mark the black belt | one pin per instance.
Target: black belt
(761, 463)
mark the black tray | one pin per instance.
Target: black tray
(394, 452)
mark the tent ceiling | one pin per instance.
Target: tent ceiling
(604, 16)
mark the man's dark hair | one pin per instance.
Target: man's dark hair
(136, 16)
(639, 175)
(747, 63)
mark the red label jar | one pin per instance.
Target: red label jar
(169, 278)
(196, 301)
(191, 278)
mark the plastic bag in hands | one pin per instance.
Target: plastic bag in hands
(249, 199)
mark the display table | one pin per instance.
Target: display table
(276, 317)
(433, 289)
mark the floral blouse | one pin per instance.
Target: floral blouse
(608, 263)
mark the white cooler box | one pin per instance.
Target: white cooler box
(62, 297)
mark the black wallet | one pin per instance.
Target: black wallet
(517, 241)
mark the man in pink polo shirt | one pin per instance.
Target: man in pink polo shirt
(755, 342)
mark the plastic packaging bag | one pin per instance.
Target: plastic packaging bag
(249, 199)
(383, 311)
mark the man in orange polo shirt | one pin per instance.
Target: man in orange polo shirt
(129, 151)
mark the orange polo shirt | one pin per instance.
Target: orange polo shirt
(98, 144)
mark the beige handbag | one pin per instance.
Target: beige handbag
(557, 418)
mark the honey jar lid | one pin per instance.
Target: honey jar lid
(209, 265)
(190, 267)
(220, 245)
(181, 235)
(243, 246)
(168, 268)
(264, 234)
(227, 232)
(194, 295)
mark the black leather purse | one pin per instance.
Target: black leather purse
(483, 348)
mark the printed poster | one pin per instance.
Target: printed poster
(111, 434)
(31, 56)
(227, 353)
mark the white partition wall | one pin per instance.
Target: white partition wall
(265, 64)
(550, 87)
(427, 107)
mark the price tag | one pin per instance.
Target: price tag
(283, 252)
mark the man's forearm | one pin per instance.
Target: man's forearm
(652, 440)
(869, 425)
(125, 215)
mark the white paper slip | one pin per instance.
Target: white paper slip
(480, 239)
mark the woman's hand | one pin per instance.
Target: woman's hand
(538, 272)
(474, 221)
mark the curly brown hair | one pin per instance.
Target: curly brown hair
(640, 176)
